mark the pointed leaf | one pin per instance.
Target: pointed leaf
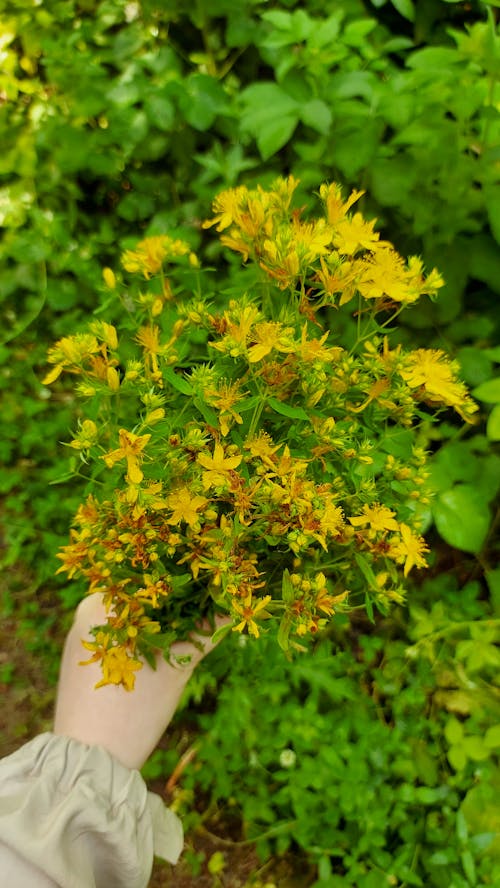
(287, 410)
(177, 382)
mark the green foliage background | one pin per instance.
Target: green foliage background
(375, 757)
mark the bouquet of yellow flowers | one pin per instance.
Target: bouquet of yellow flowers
(252, 451)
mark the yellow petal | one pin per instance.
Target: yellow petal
(53, 374)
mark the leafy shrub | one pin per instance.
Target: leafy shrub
(343, 752)
(297, 469)
(123, 116)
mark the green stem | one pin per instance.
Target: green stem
(459, 625)
(370, 332)
(489, 104)
(274, 831)
(259, 407)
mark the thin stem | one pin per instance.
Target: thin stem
(489, 104)
(459, 625)
(274, 831)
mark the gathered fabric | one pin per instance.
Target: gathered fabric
(73, 816)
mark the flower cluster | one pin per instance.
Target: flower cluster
(254, 455)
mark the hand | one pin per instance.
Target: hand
(128, 724)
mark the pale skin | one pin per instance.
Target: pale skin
(128, 724)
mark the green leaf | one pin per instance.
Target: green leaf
(475, 365)
(469, 868)
(287, 590)
(457, 757)
(207, 413)
(353, 84)
(275, 134)
(492, 201)
(283, 633)
(270, 115)
(34, 305)
(398, 442)
(278, 18)
(264, 102)
(481, 841)
(365, 569)
(493, 354)
(436, 58)
(286, 410)
(484, 260)
(221, 633)
(440, 858)
(461, 826)
(475, 749)
(354, 149)
(454, 462)
(493, 424)
(317, 115)
(177, 382)
(453, 731)
(488, 391)
(203, 100)
(492, 737)
(493, 581)
(160, 112)
(462, 517)
(392, 179)
(217, 863)
(405, 8)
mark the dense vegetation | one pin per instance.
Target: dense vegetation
(373, 759)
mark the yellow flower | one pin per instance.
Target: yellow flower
(331, 520)
(227, 208)
(248, 613)
(310, 239)
(283, 264)
(326, 602)
(336, 207)
(431, 371)
(379, 518)
(131, 446)
(262, 447)
(150, 254)
(338, 277)
(224, 397)
(409, 549)
(218, 466)
(149, 338)
(70, 353)
(270, 335)
(109, 278)
(106, 332)
(236, 330)
(151, 593)
(118, 668)
(354, 234)
(86, 437)
(313, 350)
(386, 276)
(74, 555)
(185, 506)
(154, 416)
(113, 378)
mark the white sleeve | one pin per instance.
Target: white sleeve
(80, 819)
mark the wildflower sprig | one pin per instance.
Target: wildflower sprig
(244, 459)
